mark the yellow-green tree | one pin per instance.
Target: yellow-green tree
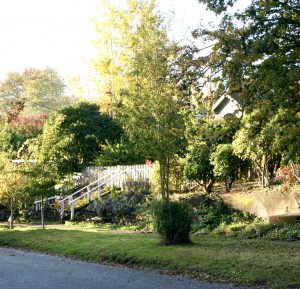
(12, 181)
(134, 67)
(112, 52)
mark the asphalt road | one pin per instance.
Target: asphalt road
(26, 270)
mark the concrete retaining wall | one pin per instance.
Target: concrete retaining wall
(277, 207)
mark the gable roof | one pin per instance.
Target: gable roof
(226, 104)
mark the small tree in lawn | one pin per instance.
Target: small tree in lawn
(225, 164)
(12, 181)
(41, 184)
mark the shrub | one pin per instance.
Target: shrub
(198, 167)
(258, 228)
(213, 211)
(225, 164)
(285, 233)
(121, 153)
(122, 207)
(177, 182)
(288, 174)
(172, 221)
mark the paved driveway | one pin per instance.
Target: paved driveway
(26, 270)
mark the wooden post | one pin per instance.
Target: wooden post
(111, 183)
(89, 194)
(99, 193)
(62, 210)
(72, 210)
(122, 181)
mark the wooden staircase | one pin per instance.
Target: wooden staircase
(107, 178)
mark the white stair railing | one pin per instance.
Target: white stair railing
(114, 176)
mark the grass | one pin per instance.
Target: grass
(268, 264)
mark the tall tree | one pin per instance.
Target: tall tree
(44, 91)
(112, 53)
(32, 92)
(256, 52)
(256, 55)
(12, 99)
(136, 64)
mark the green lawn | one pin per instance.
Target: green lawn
(271, 264)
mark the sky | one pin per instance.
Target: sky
(58, 33)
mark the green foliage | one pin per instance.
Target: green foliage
(6, 136)
(12, 179)
(177, 180)
(213, 212)
(255, 56)
(44, 91)
(15, 135)
(72, 137)
(12, 99)
(205, 137)
(225, 164)
(284, 233)
(198, 166)
(213, 131)
(172, 221)
(41, 180)
(123, 208)
(258, 59)
(32, 92)
(258, 228)
(25, 129)
(134, 60)
(286, 142)
(121, 153)
(268, 139)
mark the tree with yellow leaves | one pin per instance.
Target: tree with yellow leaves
(12, 181)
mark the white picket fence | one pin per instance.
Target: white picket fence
(142, 172)
(100, 177)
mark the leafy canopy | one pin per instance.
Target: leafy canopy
(34, 91)
(72, 137)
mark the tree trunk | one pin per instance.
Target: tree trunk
(208, 188)
(42, 213)
(226, 185)
(162, 181)
(11, 221)
(265, 177)
(167, 179)
(230, 183)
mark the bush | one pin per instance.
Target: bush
(122, 207)
(213, 211)
(177, 181)
(258, 228)
(285, 233)
(225, 164)
(121, 153)
(172, 221)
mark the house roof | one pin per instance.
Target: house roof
(226, 104)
